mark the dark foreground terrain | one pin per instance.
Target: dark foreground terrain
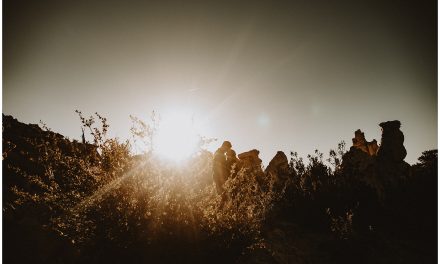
(77, 202)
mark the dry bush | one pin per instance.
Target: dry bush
(107, 204)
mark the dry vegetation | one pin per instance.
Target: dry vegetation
(68, 202)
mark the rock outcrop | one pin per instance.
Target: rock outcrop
(391, 145)
(361, 143)
(390, 157)
(250, 160)
(379, 167)
(278, 170)
(279, 164)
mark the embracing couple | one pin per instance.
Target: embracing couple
(223, 163)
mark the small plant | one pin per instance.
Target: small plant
(114, 156)
(335, 157)
(341, 225)
(145, 131)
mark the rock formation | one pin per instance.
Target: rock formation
(250, 160)
(391, 145)
(278, 170)
(361, 165)
(391, 154)
(361, 143)
(379, 167)
(279, 165)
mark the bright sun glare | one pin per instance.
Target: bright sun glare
(176, 137)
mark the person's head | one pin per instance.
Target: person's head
(231, 153)
(226, 146)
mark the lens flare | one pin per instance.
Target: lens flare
(176, 138)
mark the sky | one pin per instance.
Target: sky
(270, 75)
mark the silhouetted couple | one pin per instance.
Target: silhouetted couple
(223, 163)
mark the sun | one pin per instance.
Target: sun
(176, 137)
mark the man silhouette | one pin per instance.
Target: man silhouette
(219, 169)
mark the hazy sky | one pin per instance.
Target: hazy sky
(270, 75)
